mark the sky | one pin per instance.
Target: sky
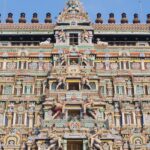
(142, 7)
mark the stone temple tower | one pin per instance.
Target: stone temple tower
(74, 84)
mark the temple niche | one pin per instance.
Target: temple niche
(74, 84)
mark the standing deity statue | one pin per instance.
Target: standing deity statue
(39, 120)
(85, 36)
(61, 36)
(61, 83)
(85, 83)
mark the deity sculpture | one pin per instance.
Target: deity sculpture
(85, 83)
(85, 36)
(61, 83)
(61, 36)
(73, 6)
(95, 142)
(58, 108)
(87, 108)
(55, 142)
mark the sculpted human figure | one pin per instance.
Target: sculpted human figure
(62, 59)
(85, 36)
(61, 82)
(39, 120)
(61, 36)
(87, 108)
(58, 107)
(95, 142)
(55, 141)
(85, 83)
(11, 107)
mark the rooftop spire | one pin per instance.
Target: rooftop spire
(73, 11)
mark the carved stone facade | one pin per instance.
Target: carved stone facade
(83, 86)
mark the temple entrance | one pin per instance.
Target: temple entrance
(74, 145)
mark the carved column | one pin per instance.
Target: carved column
(65, 144)
(111, 145)
(25, 119)
(4, 65)
(142, 65)
(10, 118)
(39, 143)
(38, 88)
(85, 144)
(138, 118)
(29, 145)
(14, 119)
(31, 116)
(109, 89)
(117, 119)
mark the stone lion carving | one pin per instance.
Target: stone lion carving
(47, 42)
(99, 42)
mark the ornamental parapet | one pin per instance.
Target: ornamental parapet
(84, 123)
(22, 98)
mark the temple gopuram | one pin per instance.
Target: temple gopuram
(74, 84)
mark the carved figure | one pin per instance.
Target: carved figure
(11, 107)
(85, 83)
(39, 120)
(102, 43)
(55, 142)
(57, 108)
(47, 42)
(61, 83)
(85, 36)
(87, 108)
(61, 36)
(95, 142)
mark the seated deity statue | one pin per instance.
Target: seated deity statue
(95, 142)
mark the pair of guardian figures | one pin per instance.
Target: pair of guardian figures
(84, 83)
(85, 35)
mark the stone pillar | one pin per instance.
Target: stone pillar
(25, 119)
(111, 145)
(138, 119)
(85, 145)
(65, 144)
(117, 118)
(29, 145)
(10, 118)
(123, 119)
(142, 65)
(4, 65)
(31, 116)
(14, 119)
(39, 143)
